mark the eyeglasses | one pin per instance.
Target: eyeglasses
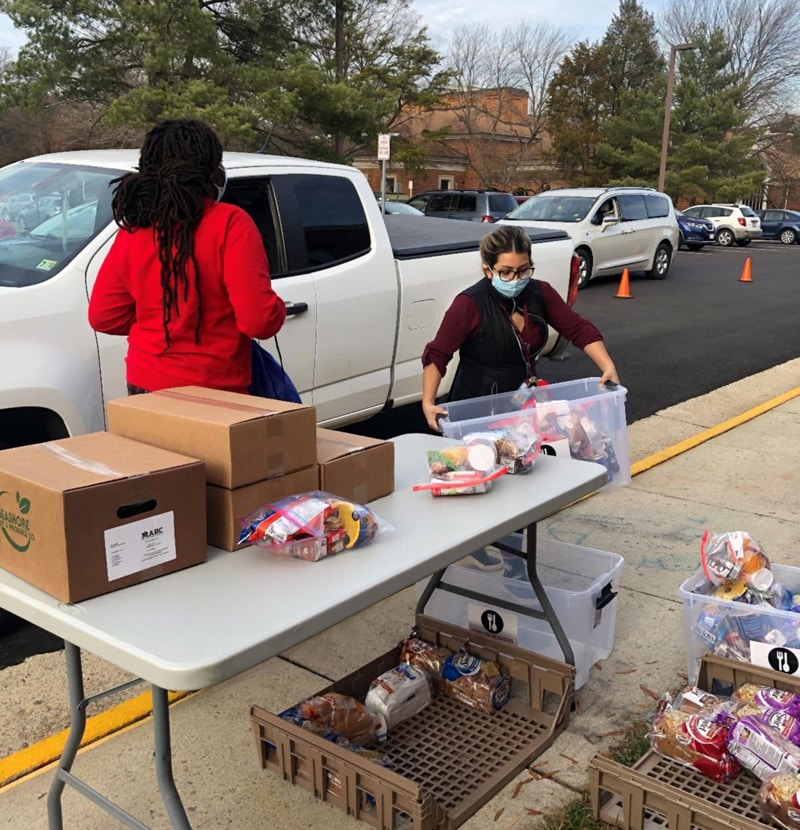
(510, 274)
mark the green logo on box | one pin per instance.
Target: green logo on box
(14, 526)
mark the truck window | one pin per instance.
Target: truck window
(332, 218)
(48, 214)
(253, 196)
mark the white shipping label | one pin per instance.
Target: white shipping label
(491, 622)
(775, 657)
(140, 545)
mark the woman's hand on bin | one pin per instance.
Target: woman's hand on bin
(432, 414)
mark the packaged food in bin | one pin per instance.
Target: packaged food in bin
(761, 749)
(397, 695)
(458, 674)
(735, 557)
(779, 801)
(345, 715)
(312, 525)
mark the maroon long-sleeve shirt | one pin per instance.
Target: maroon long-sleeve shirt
(461, 321)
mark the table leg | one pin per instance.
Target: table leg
(163, 754)
(77, 727)
(166, 783)
(549, 612)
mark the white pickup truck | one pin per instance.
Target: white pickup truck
(364, 292)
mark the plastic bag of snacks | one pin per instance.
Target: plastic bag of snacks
(516, 446)
(311, 526)
(735, 557)
(462, 470)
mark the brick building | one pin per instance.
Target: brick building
(477, 139)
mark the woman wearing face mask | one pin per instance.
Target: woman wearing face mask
(499, 325)
(186, 279)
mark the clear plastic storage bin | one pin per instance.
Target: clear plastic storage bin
(581, 584)
(755, 634)
(590, 419)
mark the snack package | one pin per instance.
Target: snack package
(735, 557)
(345, 715)
(761, 749)
(692, 700)
(396, 695)
(516, 446)
(695, 741)
(462, 470)
(779, 801)
(311, 526)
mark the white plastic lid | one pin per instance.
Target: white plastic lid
(762, 580)
(481, 457)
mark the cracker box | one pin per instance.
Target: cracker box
(84, 516)
(242, 439)
(227, 507)
(354, 467)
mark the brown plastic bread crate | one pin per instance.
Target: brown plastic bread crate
(660, 794)
(446, 761)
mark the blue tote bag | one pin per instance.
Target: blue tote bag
(269, 378)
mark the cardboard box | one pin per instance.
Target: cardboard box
(225, 507)
(354, 467)
(241, 438)
(87, 515)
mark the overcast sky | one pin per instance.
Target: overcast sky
(588, 18)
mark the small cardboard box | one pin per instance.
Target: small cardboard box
(226, 507)
(354, 467)
(243, 439)
(87, 515)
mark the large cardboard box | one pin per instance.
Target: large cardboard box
(354, 467)
(87, 515)
(242, 439)
(225, 507)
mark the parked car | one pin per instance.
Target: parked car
(780, 224)
(469, 205)
(733, 223)
(43, 208)
(349, 276)
(12, 204)
(695, 232)
(401, 209)
(612, 228)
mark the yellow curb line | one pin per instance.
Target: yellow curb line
(98, 726)
(125, 714)
(683, 446)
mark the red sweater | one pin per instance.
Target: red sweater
(236, 297)
(461, 321)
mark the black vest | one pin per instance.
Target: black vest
(491, 359)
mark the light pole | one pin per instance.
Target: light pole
(662, 169)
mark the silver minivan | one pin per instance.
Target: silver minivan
(612, 228)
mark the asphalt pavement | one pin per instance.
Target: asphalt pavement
(727, 460)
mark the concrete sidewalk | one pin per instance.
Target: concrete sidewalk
(740, 476)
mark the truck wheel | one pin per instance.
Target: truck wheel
(584, 267)
(661, 263)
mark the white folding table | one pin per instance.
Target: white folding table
(197, 627)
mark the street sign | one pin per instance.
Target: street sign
(384, 146)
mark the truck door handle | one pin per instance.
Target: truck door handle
(296, 308)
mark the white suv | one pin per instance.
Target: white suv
(733, 223)
(612, 228)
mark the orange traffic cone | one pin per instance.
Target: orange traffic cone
(747, 276)
(624, 288)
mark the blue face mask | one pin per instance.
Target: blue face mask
(509, 289)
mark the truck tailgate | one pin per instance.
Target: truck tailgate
(413, 237)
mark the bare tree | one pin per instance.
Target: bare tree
(490, 70)
(764, 38)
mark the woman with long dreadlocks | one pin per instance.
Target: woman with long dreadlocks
(186, 278)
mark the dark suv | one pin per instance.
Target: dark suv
(469, 205)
